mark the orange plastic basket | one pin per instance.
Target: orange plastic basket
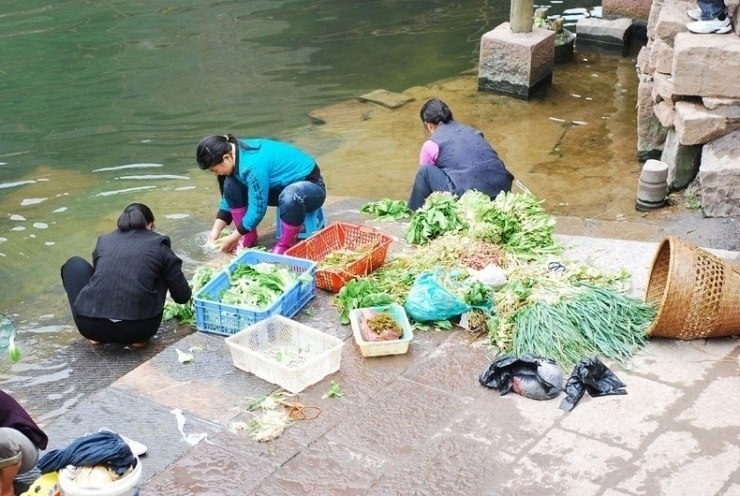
(342, 236)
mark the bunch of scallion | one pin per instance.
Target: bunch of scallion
(584, 321)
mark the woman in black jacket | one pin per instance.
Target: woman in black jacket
(121, 296)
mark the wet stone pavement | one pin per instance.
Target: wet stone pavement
(420, 423)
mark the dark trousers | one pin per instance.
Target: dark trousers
(429, 178)
(76, 273)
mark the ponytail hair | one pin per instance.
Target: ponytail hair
(211, 149)
(435, 111)
(135, 216)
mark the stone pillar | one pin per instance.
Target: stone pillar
(516, 64)
(652, 187)
(521, 16)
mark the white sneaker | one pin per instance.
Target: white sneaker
(695, 14)
(712, 26)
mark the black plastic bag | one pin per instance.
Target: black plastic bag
(590, 375)
(532, 377)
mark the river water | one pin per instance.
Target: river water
(103, 103)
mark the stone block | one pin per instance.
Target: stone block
(719, 176)
(672, 20)
(665, 112)
(706, 65)
(516, 64)
(650, 132)
(730, 104)
(655, 9)
(682, 160)
(386, 98)
(638, 10)
(663, 88)
(661, 57)
(565, 42)
(643, 60)
(695, 124)
(603, 34)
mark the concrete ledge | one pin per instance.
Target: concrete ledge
(603, 34)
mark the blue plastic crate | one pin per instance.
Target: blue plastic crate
(219, 318)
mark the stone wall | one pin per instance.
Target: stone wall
(688, 109)
(637, 10)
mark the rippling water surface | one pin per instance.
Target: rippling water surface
(103, 102)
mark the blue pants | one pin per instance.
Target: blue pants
(293, 200)
(711, 9)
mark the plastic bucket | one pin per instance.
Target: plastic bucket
(125, 486)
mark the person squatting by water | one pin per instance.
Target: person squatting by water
(254, 174)
(120, 297)
(455, 158)
(20, 442)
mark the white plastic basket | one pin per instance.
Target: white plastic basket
(381, 348)
(282, 351)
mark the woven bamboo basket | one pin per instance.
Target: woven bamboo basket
(698, 294)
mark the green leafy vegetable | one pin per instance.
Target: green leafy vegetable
(359, 293)
(257, 286)
(387, 209)
(334, 391)
(185, 312)
(14, 352)
(513, 220)
(437, 216)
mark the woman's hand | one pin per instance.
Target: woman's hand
(216, 230)
(229, 243)
(213, 236)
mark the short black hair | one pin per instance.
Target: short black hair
(435, 111)
(135, 216)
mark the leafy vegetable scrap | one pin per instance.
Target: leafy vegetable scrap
(387, 209)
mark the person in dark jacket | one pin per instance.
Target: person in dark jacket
(456, 158)
(121, 296)
(20, 442)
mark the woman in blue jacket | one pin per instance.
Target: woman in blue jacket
(254, 174)
(120, 297)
